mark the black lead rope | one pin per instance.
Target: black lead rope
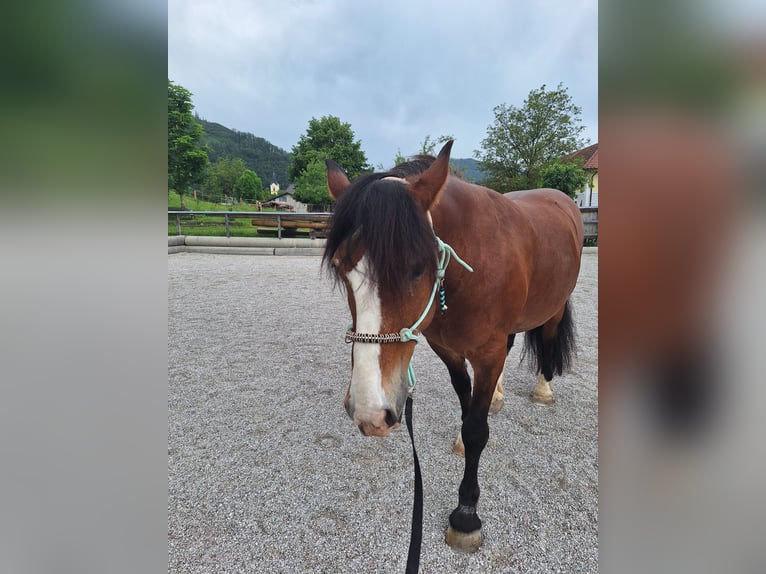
(416, 537)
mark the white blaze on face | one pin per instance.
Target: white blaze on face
(366, 386)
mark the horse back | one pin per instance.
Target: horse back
(548, 206)
(538, 198)
(525, 248)
(556, 234)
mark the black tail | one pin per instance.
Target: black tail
(554, 356)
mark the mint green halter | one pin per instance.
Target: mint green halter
(445, 254)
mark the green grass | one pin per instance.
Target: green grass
(174, 203)
(215, 231)
(202, 225)
(213, 225)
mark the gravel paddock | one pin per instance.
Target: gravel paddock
(267, 474)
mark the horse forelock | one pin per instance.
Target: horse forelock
(380, 217)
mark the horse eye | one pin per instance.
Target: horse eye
(417, 272)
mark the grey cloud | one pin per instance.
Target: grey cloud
(396, 71)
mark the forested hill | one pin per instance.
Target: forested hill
(263, 157)
(469, 167)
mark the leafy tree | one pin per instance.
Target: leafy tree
(567, 177)
(523, 140)
(328, 138)
(311, 185)
(223, 176)
(249, 187)
(428, 147)
(398, 158)
(187, 158)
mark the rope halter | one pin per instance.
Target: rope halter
(444, 255)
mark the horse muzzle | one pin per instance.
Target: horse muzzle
(379, 422)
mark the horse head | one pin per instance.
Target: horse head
(382, 249)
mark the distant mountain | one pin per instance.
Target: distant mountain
(263, 157)
(469, 168)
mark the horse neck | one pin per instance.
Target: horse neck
(448, 214)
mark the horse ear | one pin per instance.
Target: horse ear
(428, 185)
(337, 181)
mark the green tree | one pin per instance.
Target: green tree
(399, 158)
(428, 147)
(521, 141)
(567, 177)
(328, 138)
(223, 176)
(311, 185)
(187, 157)
(249, 187)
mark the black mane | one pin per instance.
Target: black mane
(383, 217)
(417, 164)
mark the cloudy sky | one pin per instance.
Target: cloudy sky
(396, 70)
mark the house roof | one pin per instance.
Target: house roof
(592, 162)
(287, 193)
(588, 154)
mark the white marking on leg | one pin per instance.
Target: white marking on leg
(458, 447)
(498, 397)
(499, 385)
(367, 394)
(542, 392)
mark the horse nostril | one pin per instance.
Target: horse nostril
(391, 419)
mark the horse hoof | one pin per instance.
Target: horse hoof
(463, 541)
(496, 404)
(542, 399)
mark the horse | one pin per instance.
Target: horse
(517, 257)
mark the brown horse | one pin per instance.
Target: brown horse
(390, 243)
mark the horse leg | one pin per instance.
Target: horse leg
(542, 393)
(498, 400)
(464, 531)
(498, 397)
(461, 382)
(553, 346)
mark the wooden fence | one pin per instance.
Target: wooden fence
(315, 224)
(590, 219)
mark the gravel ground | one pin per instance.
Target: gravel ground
(267, 473)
